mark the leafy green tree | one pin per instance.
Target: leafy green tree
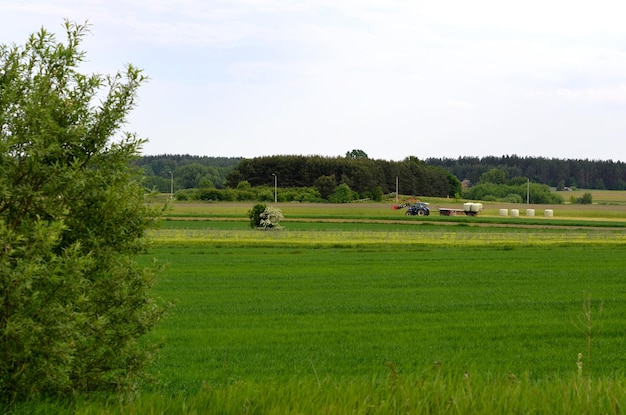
(74, 303)
(255, 215)
(326, 185)
(342, 194)
(234, 178)
(194, 175)
(377, 194)
(244, 185)
(356, 154)
(455, 187)
(497, 176)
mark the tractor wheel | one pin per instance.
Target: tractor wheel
(408, 213)
(421, 212)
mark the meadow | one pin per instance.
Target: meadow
(359, 309)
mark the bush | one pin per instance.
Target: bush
(513, 198)
(270, 218)
(255, 215)
(585, 199)
(75, 304)
(342, 194)
(264, 217)
(186, 194)
(539, 193)
(209, 194)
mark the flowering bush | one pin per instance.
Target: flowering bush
(270, 218)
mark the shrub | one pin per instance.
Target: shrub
(513, 198)
(585, 199)
(255, 215)
(209, 194)
(342, 194)
(186, 194)
(75, 303)
(270, 218)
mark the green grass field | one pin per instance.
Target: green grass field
(358, 309)
(284, 312)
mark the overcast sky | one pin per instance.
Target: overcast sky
(390, 77)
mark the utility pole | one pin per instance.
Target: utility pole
(397, 182)
(275, 187)
(171, 184)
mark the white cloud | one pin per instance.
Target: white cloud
(459, 104)
(589, 96)
(391, 77)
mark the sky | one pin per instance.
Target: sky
(394, 78)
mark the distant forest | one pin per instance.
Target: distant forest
(432, 177)
(184, 171)
(582, 174)
(362, 174)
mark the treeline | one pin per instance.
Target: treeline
(583, 174)
(167, 172)
(310, 178)
(364, 176)
(355, 176)
(496, 187)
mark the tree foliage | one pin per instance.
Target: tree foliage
(74, 303)
(326, 185)
(255, 215)
(265, 217)
(356, 154)
(495, 175)
(363, 175)
(513, 192)
(185, 171)
(585, 174)
(585, 199)
(342, 194)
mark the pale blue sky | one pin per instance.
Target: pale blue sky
(393, 78)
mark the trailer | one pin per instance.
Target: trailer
(450, 212)
(469, 209)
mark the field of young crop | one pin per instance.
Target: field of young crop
(281, 312)
(359, 309)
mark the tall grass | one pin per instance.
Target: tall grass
(434, 391)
